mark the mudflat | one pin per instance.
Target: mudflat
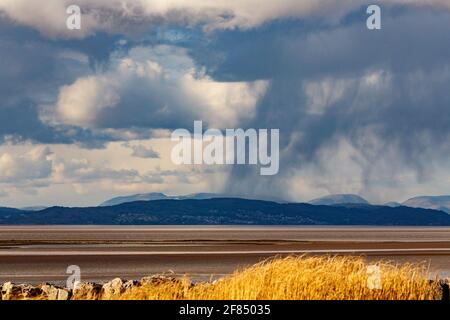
(35, 254)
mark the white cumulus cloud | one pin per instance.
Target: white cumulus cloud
(33, 164)
(154, 88)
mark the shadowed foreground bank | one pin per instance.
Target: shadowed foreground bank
(291, 278)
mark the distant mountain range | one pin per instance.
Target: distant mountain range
(5, 210)
(441, 203)
(431, 202)
(35, 208)
(335, 199)
(158, 196)
(425, 202)
(210, 208)
(395, 204)
(227, 211)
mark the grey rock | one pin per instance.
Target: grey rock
(87, 291)
(11, 291)
(113, 288)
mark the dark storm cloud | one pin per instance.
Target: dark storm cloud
(411, 112)
(407, 107)
(410, 39)
(27, 76)
(32, 69)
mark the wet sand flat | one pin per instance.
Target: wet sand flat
(43, 253)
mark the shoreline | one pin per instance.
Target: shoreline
(286, 274)
(42, 254)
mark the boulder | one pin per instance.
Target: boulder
(87, 291)
(112, 289)
(130, 284)
(11, 291)
(52, 292)
(63, 294)
(30, 292)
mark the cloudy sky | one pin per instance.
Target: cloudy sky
(86, 114)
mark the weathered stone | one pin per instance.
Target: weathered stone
(63, 294)
(113, 289)
(11, 291)
(82, 291)
(87, 291)
(30, 292)
(50, 291)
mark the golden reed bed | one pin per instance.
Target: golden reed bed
(291, 278)
(295, 278)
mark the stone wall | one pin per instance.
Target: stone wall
(82, 291)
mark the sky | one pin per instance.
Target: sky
(86, 115)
